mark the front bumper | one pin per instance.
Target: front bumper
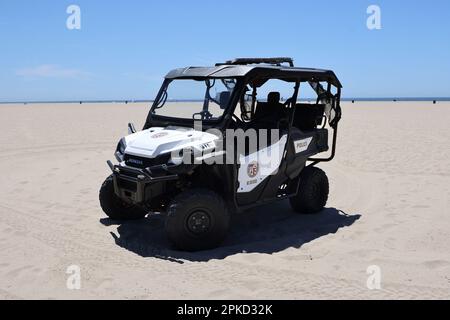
(138, 186)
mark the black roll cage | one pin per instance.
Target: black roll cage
(272, 69)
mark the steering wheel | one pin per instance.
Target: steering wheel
(204, 115)
(288, 101)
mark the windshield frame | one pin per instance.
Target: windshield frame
(167, 120)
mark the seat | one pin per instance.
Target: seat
(308, 116)
(269, 115)
(270, 108)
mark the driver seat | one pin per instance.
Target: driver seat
(268, 114)
(270, 109)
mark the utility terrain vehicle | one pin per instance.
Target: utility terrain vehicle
(198, 196)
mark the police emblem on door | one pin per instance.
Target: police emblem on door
(252, 169)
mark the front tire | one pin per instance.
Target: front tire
(313, 191)
(115, 208)
(197, 220)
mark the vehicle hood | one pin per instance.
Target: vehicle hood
(153, 142)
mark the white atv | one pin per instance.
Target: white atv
(176, 167)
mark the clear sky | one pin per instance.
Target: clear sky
(124, 48)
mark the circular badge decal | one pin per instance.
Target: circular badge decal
(253, 169)
(159, 135)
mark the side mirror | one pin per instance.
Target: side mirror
(223, 98)
(131, 128)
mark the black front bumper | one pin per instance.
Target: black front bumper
(138, 186)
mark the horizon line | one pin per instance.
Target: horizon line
(400, 99)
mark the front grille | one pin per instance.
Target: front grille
(141, 162)
(128, 185)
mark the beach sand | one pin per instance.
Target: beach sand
(389, 207)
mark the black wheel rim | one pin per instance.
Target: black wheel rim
(199, 222)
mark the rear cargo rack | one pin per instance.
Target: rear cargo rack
(245, 61)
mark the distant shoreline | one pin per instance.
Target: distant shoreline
(418, 99)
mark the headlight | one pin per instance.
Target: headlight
(121, 146)
(120, 150)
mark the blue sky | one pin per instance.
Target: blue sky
(124, 48)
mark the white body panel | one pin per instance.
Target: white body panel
(153, 142)
(267, 162)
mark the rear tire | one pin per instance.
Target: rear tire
(197, 220)
(313, 191)
(115, 208)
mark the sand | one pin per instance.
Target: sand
(389, 207)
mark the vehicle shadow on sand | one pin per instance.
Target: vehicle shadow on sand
(267, 229)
